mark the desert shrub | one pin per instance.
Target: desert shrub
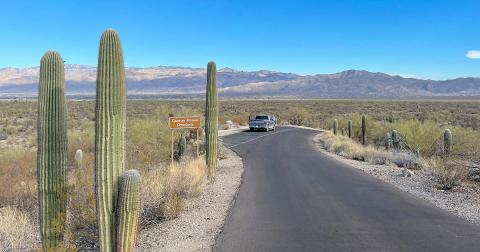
(18, 179)
(165, 190)
(148, 144)
(421, 137)
(466, 144)
(298, 116)
(448, 172)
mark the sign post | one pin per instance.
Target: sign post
(184, 122)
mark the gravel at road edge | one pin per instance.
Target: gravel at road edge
(463, 201)
(197, 227)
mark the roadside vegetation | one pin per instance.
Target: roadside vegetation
(420, 125)
(411, 144)
(165, 187)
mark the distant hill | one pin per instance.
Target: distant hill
(164, 80)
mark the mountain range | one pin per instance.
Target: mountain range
(165, 80)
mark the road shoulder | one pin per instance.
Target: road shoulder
(203, 219)
(463, 201)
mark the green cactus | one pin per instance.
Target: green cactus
(343, 131)
(110, 122)
(182, 146)
(335, 127)
(364, 130)
(52, 150)
(350, 129)
(387, 141)
(211, 120)
(395, 140)
(447, 141)
(128, 211)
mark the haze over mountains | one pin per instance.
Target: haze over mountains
(162, 80)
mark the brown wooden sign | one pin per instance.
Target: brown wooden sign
(186, 122)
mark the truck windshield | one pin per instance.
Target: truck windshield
(261, 117)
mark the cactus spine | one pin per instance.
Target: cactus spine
(335, 127)
(128, 212)
(350, 129)
(211, 120)
(110, 122)
(447, 141)
(52, 150)
(364, 130)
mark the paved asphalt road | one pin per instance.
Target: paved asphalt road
(293, 198)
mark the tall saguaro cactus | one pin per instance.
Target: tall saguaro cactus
(335, 127)
(350, 129)
(128, 212)
(52, 150)
(110, 122)
(211, 120)
(364, 130)
(447, 141)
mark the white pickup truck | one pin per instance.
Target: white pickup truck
(263, 122)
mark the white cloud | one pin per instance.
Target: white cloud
(473, 54)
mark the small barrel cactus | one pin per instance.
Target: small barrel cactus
(52, 150)
(211, 120)
(128, 211)
(335, 127)
(447, 141)
(110, 122)
(350, 129)
(364, 130)
(79, 158)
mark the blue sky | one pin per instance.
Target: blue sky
(427, 39)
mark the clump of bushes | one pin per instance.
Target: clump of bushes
(418, 144)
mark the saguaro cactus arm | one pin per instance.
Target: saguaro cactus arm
(110, 122)
(128, 211)
(211, 120)
(52, 150)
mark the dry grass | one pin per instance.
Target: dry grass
(15, 228)
(18, 179)
(351, 149)
(164, 191)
